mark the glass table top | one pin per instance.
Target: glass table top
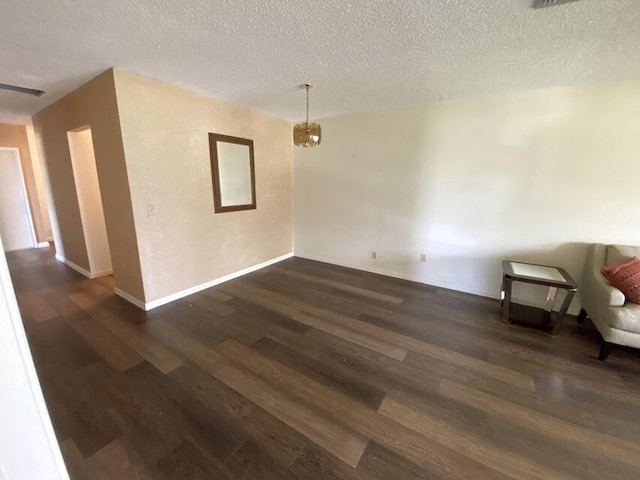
(537, 271)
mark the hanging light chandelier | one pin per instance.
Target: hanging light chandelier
(307, 134)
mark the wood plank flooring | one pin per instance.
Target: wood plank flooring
(312, 371)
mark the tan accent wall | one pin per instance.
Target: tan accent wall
(93, 104)
(165, 135)
(15, 136)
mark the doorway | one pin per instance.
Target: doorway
(85, 174)
(16, 224)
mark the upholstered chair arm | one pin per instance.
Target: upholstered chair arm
(598, 291)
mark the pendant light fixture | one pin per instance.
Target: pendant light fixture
(307, 134)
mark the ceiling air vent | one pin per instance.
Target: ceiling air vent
(25, 90)
(549, 3)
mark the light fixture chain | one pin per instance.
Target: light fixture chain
(307, 88)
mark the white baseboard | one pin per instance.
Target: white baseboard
(197, 288)
(130, 298)
(102, 273)
(43, 245)
(402, 276)
(72, 265)
(81, 270)
(434, 283)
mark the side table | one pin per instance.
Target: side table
(553, 277)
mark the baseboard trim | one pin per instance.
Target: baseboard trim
(81, 270)
(197, 288)
(130, 298)
(74, 266)
(43, 245)
(102, 273)
(402, 276)
(433, 283)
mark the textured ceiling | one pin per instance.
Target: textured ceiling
(360, 54)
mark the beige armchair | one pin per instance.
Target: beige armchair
(617, 320)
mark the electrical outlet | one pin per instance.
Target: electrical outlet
(374, 255)
(151, 210)
(423, 257)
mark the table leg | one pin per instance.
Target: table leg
(551, 298)
(506, 305)
(563, 311)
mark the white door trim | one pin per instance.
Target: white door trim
(34, 240)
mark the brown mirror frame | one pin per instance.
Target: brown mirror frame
(214, 138)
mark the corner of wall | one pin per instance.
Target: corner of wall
(94, 103)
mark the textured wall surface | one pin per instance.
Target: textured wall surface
(531, 176)
(165, 134)
(361, 55)
(94, 104)
(16, 136)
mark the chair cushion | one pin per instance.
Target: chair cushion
(625, 276)
(625, 318)
(619, 253)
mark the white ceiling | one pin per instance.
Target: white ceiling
(360, 54)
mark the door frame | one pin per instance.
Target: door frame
(34, 239)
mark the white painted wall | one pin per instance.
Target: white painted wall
(16, 225)
(86, 179)
(28, 446)
(532, 176)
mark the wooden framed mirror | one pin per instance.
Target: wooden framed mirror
(233, 172)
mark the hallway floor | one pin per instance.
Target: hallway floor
(312, 371)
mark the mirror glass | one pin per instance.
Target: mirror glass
(233, 173)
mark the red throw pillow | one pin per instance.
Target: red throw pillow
(625, 276)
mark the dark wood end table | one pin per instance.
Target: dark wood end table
(545, 275)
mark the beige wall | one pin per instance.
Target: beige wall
(184, 244)
(94, 105)
(534, 176)
(16, 136)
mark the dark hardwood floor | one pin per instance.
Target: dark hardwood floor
(312, 371)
